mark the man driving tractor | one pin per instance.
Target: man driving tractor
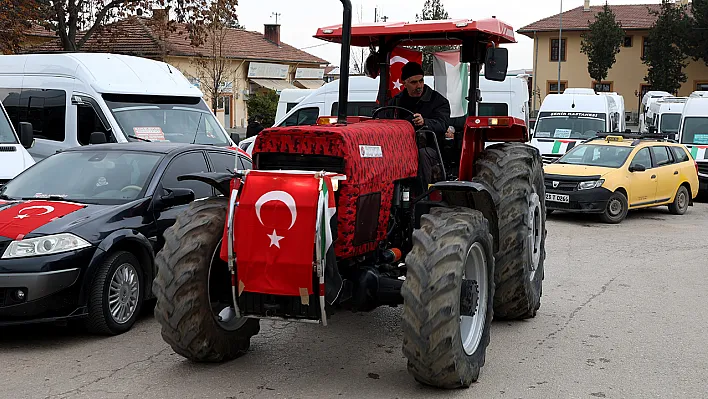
(429, 107)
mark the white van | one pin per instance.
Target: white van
(509, 97)
(564, 120)
(699, 94)
(693, 133)
(80, 98)
(289, 98)
(14, 158)
(667, 115)
(646, 117)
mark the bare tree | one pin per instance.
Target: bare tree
(359, 60)
(213, 68)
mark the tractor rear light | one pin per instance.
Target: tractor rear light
(435, 196)
(499, 122)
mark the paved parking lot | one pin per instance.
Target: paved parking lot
(623, 315)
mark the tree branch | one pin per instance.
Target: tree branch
(99, 19)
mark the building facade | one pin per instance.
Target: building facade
(626, 76)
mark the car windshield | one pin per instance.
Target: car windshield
(568, 127)
(610, 156)
(7, 135)
(161, 118)
(695, 130)
(92, 177)
(670, 123)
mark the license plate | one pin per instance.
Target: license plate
(557, 198)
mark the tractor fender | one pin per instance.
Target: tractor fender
(476, 195)
(220, 181)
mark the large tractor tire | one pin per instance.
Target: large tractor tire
(445, 336)
(515, 171)
(193, 288)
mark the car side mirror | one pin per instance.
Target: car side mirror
(637, 168)
(627, 118)
(496, 64)
(26, 134)
(175, 197)
(628, 130)
(98, 138)
(652, 129)
(235, 138)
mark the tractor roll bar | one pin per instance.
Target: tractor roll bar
(344, 62)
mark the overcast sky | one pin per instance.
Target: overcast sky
(301, 18)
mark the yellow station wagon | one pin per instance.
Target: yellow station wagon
(612, 174)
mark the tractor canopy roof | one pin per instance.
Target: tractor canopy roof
(422, 33)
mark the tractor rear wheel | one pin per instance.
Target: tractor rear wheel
(193, 288)
(447, 311)
(515, 171)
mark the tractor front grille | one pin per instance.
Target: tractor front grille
(312, 163)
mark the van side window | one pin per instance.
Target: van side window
(356, 108)
(10, 98)
(304, 116)
(45, 109)
(87, 122)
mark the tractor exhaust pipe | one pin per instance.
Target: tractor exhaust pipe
(344, 62)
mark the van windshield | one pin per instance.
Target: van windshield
(695, 130)
(670, 123)
(568, 127)
(166, 118)
(7, 135)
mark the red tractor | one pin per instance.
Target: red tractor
(336, 217)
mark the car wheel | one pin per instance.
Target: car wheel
(616, 209)
(681, 201)
(116, 295)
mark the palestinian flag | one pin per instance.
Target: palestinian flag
(452, 80)
(563, 145)
(698, 152)
(330, 279)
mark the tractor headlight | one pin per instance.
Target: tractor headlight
(46, 245)
(587, 185)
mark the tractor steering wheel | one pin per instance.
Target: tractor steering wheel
(389, 107)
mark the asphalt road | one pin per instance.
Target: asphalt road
(623, 315)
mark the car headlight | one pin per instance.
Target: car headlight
(587, 185)
(46, 245)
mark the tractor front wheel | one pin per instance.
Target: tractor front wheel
(193, 288)
(448, 291)
(515, 171)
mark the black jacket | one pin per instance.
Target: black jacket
(433, 106)
(253, 129)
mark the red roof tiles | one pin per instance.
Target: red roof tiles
(138, 36)
(631, 16)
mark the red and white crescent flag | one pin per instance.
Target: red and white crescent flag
(399, 57)
(275, 233)
(19, 220)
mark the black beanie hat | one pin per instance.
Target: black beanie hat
(411, 69)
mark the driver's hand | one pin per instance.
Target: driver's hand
(418, 120)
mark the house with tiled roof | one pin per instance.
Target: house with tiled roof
(554, 47)
(255, 61)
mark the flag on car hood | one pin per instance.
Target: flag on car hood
(452, 80)
(17, 219)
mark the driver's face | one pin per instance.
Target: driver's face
(414, 85)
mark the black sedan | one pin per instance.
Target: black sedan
(79, 231)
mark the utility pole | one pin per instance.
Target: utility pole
(276, 15)
(560, 46)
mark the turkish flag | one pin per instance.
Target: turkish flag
(19, 220)
(275, 233)
(400, 57)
